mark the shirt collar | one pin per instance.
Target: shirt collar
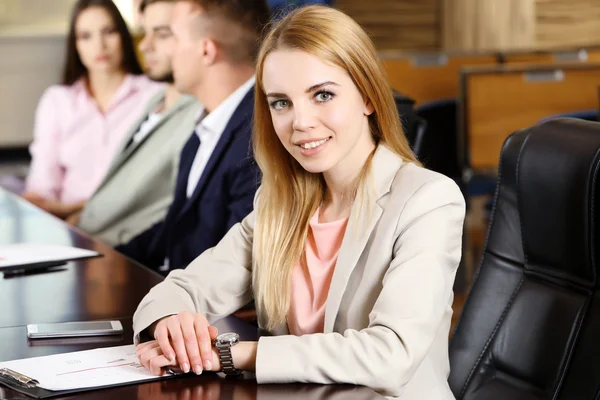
(217, 120)
(130, 84)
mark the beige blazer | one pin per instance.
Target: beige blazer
(138, 188)
(387, 315)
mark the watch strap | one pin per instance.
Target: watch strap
(227, 360)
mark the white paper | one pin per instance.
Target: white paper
(83, 369)
(29, 253)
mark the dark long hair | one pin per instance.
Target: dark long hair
(74, 68)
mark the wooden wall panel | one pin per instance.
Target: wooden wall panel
(398, 24)
(567, 23)
(485, 25)
(477, 25)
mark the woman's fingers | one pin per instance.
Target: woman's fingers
(161, 334)
(157, 365)
(204, 341)
(188, 329)
(152, 357)
(213, 332)
(186, 338)
(178, 343)
(146, 353)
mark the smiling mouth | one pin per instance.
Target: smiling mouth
(312, 145)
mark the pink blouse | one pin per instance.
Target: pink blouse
(74, 142)
(312, 276)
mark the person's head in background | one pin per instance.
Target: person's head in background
(98, 42)
(322, 106)
(157, 44)
(216, 42)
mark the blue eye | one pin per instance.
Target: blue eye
(322, 97)
(279, 104)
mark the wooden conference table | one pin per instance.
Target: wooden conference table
(105, 288)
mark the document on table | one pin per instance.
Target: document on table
(83, 369)
(27, 254)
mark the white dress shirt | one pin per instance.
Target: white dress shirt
(209, 130)
(146, 126)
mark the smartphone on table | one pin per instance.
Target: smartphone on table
(74, 329)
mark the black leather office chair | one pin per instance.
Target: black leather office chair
(418, 135)
(415, 127)
(530, 328)
(439, 149)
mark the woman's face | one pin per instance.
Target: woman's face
(317, 112)
(98, 41)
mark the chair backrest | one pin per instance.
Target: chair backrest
(438, 150)
(419, 131)
(503, 99)
(430, 76)
(587, 115)
(530, 327)
(406, 111)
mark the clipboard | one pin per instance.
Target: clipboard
(76, 372)
(29, 387)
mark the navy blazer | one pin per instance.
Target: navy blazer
(223, 196)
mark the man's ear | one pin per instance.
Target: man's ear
(209, 51)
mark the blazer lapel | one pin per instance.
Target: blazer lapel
(361, 224)
(185, 166)
(121, 154)
(242, 115)
(125, 153)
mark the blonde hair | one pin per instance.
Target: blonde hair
(289, 195)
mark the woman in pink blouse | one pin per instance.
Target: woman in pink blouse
(80, 124)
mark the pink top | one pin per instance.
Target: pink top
(74, 142)
(312, 276)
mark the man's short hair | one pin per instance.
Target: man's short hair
(146, 3)
(250, 16)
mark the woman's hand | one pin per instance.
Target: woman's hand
(61, 210)
(73, 219)
(185, 339)
(152, 357)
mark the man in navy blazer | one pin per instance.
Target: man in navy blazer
(217, 176)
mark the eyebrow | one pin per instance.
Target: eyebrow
(159, 28)
(309, 90)
(320, 85)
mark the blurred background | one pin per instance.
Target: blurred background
(32, 37)
(474, 71)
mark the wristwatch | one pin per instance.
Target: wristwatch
(224, 342)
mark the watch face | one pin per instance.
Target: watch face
(230, 338)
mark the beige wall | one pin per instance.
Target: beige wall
(32, 36)
(34, 16)
(47, 16)
(28, 66)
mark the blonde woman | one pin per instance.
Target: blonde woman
(352, 249)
